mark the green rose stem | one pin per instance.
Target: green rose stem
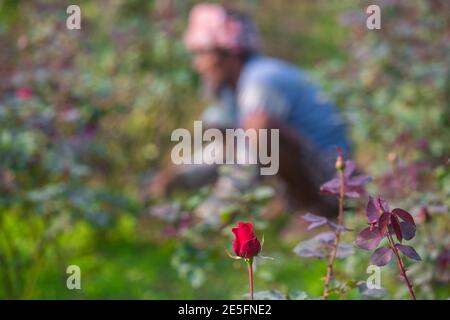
(401, 265)
(340, 166)
(250, 275)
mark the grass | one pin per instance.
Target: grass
(122, 265)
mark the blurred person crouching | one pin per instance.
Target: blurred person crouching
(253, 91)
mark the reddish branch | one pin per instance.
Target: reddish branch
(337, 237)
(401, 265)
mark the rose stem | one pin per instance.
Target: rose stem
(250, 276)
(336, 238)
(401, 266)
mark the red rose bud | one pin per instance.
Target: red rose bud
(423, 216)
(340, 164)
(246, 245)
(24, 93)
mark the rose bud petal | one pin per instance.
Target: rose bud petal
(245, 245)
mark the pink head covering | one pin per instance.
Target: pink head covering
(212, 26)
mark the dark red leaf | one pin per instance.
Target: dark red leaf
(331, 187)
(354, 192)
(349, 168)
(368, 239)
(381, 256)
(344, 250)
(408, 230)
(358, 180)
(404, 215)
(372, 211)
(382, 205)
(383, 222)
(318, 246)
(316, 221)
(408, 251)
(396, 226)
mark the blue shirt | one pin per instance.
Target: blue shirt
(285, 92)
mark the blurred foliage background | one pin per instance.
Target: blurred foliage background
(86, 118)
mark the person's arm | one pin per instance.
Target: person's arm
(180, 177)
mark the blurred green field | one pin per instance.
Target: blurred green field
(126, 268)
